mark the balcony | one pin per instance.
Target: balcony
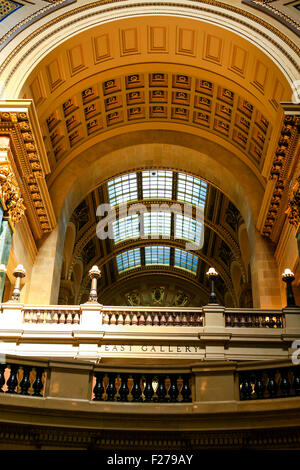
(116, 334)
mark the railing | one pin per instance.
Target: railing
(22, 379)
(150, 318)
(58, 315)
(142, 387)
(269, 383)
(239, 318)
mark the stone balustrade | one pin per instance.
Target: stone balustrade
(92, 331)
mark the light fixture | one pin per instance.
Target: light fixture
(288, 277)
(19, 273)
(94, 274)
(212, 276)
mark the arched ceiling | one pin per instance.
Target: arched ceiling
(188, 72)
(220, 244)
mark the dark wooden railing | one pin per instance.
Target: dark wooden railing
(269, 383)
(22, 379)
(142, 387)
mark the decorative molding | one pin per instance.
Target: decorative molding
(10, 194)
(268, 6)
(29, 163)
(284, 158)
(293, 211)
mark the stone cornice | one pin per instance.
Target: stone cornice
(29, 162)
(281, 174)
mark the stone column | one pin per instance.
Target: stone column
(266, 288)
(45, 275)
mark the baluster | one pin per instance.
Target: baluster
(278, 322)
(173, 390)
(242, 323)
(120, 320)
(124, 390)
(136, 391)
(34, 317)
(259, 386)
(284, 383)
(55, 317)
(149, 319)
(156, 320)
(41, 317)
(148, 390)
(134, 320)
(170, 319)
(248, 321)
(38, 383)
(271, 322)
(113, 319)
(177, 320)
(48, 317)
(185, 390)
(161, 389)
(191, 319)
(263, 321)
(256, 321)
(228, 320)
(62, 318)
(27, 317)
(2, 378)
(106, 319)
(69, 318)
(142, 320)
(246, 389)
(12, 381)
(111, 388)
(184, 320)
(25, 382)
(199, 320)
(235, 321)
(127, 319)
(98, 388)
(163, 320)
(296, 382)
(272, 385)
(76, 319)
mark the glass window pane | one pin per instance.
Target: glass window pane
(157, 224)
(185, 260)
(157, 184)
(157, 255)
(191, 189)
(122, 189)
(187, 228)
(125, 228)
(128, 260)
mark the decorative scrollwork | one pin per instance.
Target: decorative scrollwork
(293, 211)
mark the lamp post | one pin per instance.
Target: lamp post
(94, 274)
(288, 277)
(19, 273)
(212, 276)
